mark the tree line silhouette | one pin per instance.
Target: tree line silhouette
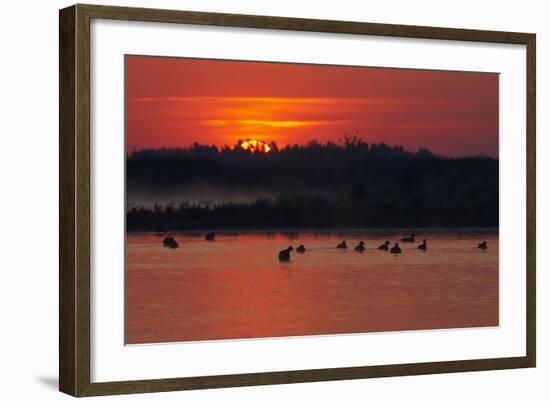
(346, 184)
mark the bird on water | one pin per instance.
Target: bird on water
(483, 245)
(301, 249)
(170, 242)
(423, 246)
(360, 247)
(385, 246)
(395, 249)
(342, 245)
(284, 255)
(408, 239)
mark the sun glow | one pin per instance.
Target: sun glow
(254, 146)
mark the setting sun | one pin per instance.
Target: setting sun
(254, 145)
(450, 113)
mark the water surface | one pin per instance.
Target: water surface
(235, 287)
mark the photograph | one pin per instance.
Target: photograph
(275, 199)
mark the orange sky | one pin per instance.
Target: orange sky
(173, 102)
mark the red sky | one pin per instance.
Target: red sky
(174, 102)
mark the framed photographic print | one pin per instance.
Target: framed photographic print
(251, 200)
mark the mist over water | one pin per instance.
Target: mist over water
(329, 185)
(204, 195)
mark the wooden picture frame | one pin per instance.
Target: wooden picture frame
(74, 206)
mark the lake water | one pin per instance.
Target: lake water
(235, 287)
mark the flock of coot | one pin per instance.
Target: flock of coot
(284, 255)
(170, 242)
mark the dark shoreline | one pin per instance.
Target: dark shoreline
(268, 230)
(321, 186)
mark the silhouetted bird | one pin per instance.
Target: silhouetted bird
(483, 245)
(360, 247)
(342, 245)
(408, 239)
(170, 242)
(385, 246)
(284, 255)
(301, 249)
(210, 236)
(423, 246)
(395, 249)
